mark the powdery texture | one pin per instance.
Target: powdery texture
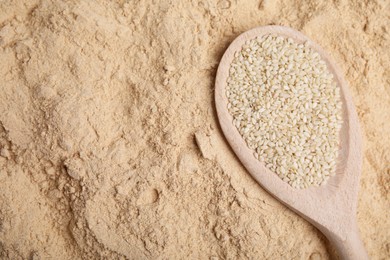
(109, 140)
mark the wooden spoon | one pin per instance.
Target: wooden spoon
(331, 207)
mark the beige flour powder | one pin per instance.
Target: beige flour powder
(109, 141)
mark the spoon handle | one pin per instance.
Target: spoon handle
(351, 248)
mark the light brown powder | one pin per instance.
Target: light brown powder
(110, 145)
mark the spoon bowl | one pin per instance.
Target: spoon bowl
(330, 207)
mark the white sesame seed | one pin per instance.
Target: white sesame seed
(287, 107)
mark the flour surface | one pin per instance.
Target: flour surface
(109, 141)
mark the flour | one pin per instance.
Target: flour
(110, 145)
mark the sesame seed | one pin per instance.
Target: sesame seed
(287, 107)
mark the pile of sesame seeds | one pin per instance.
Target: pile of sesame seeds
(286, 105)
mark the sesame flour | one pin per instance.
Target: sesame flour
(110, 145)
